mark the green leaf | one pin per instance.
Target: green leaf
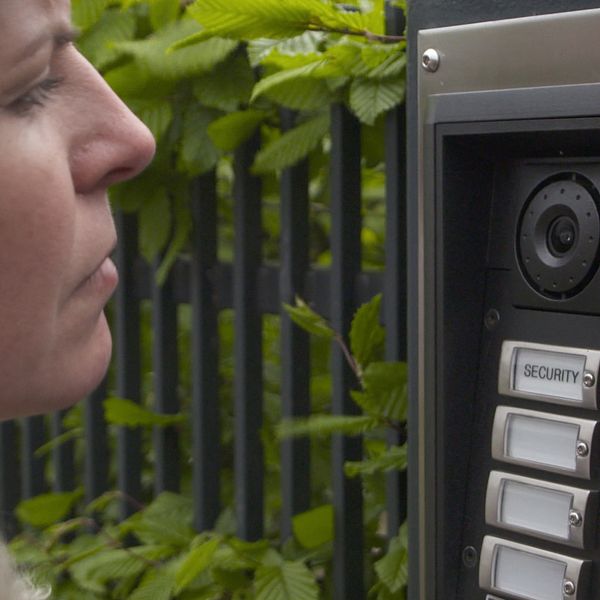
(196, 561)
(393, 567)
(197, 152)
(97, 43)
(167, 520)
(393, 459)
(278, 79)
(369, 98)
(385, 393)
(59, 440)
(85, 13)
(367, 336)
(290, 581)
(183, 227)
(156, 584)
(292, 147)
(119, 411)
(261, 49)
(156, 55)
(303, 93)
(325, 425)
(307, 319)
(155, 222)
(157, 114)
(314, 528)
(46, 509)
(227, 87)
(248, 19)
(163, 11)
(234, 129)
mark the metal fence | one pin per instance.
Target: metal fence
(251, 289)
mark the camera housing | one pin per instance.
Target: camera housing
(558, 235)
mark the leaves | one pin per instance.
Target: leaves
(393, 567)
(234, 129)
(393, 459)
(307, 319)
(198, 559)
(326, 425)
(126, 413)
(369, 98)
(314, 528)
(288, 581)
(367, 336)
(46, 509)
(292, 146)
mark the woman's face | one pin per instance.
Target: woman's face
(64, 138)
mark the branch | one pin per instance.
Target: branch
(369, 35)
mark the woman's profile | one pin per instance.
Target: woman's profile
(64, 139)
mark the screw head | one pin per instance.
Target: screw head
(575, 518)
(568, 587)
(492, 318)
(589, 380)
(469, 556)
(430, 60)
(582, 449)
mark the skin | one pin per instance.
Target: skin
(64, 139)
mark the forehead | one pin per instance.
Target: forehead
(23, 20)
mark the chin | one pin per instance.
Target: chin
(65, 380)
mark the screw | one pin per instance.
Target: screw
(589, 380)
(492, 318)
(469, 557)
(430, 60)
(575, 519)
(568, 587)
(582, 449)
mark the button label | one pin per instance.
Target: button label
(546, 373)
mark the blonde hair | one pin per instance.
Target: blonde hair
(14, 585)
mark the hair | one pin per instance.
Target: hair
(14, 585)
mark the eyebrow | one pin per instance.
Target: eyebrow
(62, 35)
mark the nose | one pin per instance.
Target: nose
(109, 144)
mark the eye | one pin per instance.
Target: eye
(35, 97)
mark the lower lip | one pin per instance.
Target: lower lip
(103, 280)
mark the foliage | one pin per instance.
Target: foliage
(206, 77)
(156, 553)
(205, 80)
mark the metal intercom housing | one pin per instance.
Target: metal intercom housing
(508, 232)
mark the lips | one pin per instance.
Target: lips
(102, 281)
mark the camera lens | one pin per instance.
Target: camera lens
(562, 235)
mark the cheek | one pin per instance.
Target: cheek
(36, 232)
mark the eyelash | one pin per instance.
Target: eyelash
(36, 97)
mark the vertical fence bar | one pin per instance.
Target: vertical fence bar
(394, 297)
(63, 458)
(96, 444)
(249, 475)
(295, 359)
(33, 433)
(348, 564)
(205, 351)
(164, 347)
(127, 353)
(9, 478)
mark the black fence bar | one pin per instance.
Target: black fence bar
(206, 450)
(96, 457)
(128, 362)
(249, 476)
(63, 459)
(10, 490)
(167, 471)
(348, 567)
(33, 435)
(395, 291)
(295, 384)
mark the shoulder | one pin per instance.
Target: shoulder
(14, 585)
